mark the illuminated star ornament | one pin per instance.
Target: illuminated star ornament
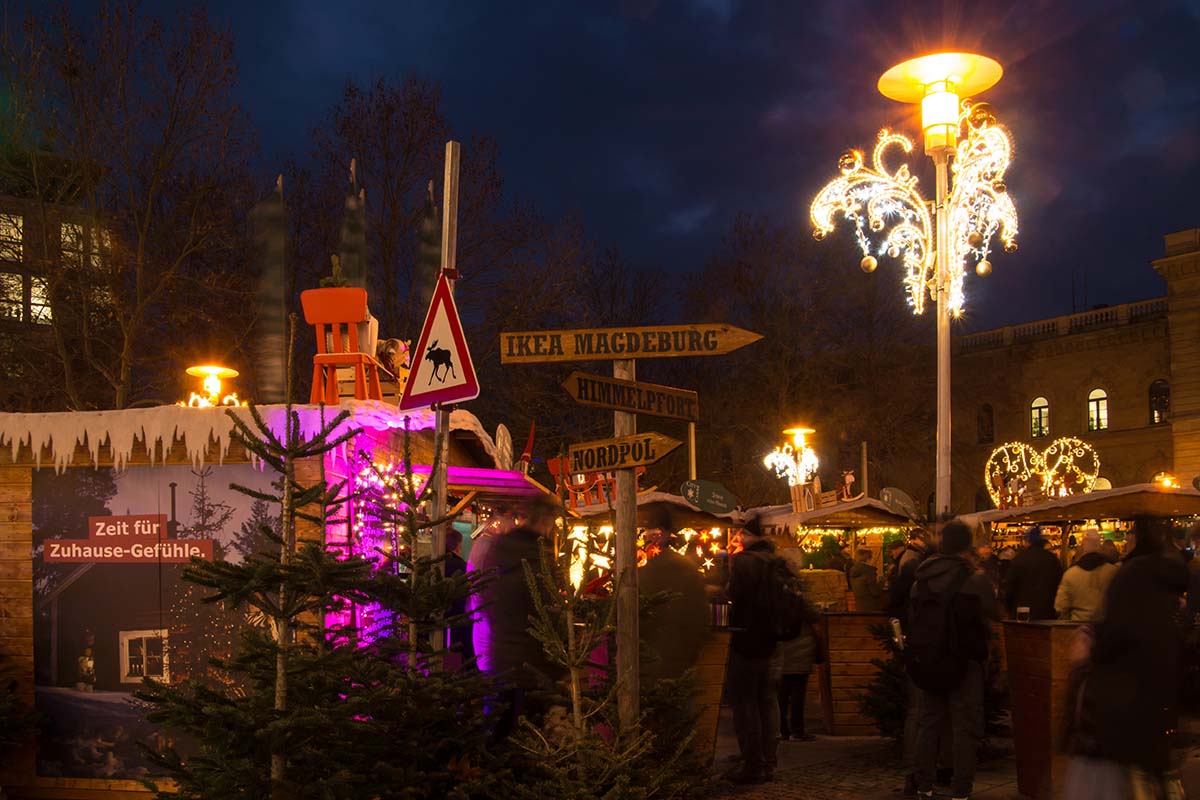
(891, 218)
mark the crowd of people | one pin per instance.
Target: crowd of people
(945, 594)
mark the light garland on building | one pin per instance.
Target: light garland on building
(886, 204)
(795, 461)
(1066, 467)
(592, 549)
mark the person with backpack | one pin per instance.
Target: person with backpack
(945, 649)
(766, 609)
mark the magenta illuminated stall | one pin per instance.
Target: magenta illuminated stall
(99, 512)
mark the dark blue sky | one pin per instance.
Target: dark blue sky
(658, 121)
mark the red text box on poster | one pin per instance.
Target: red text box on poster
(153, 526)
(126, 550)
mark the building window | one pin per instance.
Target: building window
(1160, 402)
(144, 655)
(11, 248)
(12, 296)
(1039, 418)
(1097, 410)
(986, 424)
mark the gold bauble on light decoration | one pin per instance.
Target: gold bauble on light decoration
(983, 268)
(868, 264)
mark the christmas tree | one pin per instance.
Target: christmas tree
(579, 749)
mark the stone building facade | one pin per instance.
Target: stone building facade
(1125, 379)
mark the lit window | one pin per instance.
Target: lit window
(1160, 402)
(72, 243)
(1039, 418)
(144, 655)
(12, 296)
(39, 302)
(11, 237)
(986, 424)
(1097, 410)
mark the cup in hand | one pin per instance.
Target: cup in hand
(1022, 613)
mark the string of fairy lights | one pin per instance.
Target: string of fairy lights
(1016, 470)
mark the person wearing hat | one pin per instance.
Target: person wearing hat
(1080, 596)
(1033, 578)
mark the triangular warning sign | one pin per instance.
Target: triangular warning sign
(441, 370)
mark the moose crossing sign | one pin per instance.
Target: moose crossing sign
(441, 370)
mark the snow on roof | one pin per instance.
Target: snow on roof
(121, 430)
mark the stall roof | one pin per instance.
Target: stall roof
(683, 513)
(1124, 502)
(491, 484)
(861, 513)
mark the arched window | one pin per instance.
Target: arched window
(1097, 410)
(1039, 418)
(1160, 402)
(986, 424)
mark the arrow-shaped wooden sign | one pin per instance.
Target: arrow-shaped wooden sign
(633, 396)
(606, 344)
(640, 450)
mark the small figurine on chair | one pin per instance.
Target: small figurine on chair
(85, 681)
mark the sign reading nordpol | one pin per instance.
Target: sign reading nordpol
(626, 452)
(605, 344)
(632, 396)
(135, 539)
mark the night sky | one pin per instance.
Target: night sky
(658, 121)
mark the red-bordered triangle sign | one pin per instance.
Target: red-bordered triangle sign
(441, 370)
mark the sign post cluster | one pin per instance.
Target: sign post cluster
(627, 398)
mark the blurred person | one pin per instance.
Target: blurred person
(864, 582)
(460, 635)
(1108, 549)
(1033, 578)
(503, 643)
(899, 590)
(1081, 593)
(947, 649)
(988, 563)
(755, 663)
(1128, 704)
(799, 655)
(676, 629)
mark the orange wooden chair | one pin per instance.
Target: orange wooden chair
(337, 313)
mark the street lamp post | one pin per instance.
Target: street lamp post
(892, 218)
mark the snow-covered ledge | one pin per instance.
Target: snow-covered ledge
(197, 428)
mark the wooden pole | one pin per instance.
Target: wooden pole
(865, 485)
(449, 269)
(625, 530)
(691, 451)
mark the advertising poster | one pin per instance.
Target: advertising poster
(111, 606)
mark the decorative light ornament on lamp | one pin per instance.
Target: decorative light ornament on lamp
(795, 461)
(211, 385)
(891, 217)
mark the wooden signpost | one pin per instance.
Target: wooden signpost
(607, 344)
(632, 396)
(627, 450)
(639, 450)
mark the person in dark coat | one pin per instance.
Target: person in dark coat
(503, 643)
(864, 582)
(1033, 578)
(961, 705)
(755, 663)
(675, 630)
(460, 635)
(900, 585)
(1130, 696)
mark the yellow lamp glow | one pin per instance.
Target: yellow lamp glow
(937, 81)
(796, 461)
(212, 375)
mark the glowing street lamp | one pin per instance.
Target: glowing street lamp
(795, 461)
(211, 385)
(892, 218)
